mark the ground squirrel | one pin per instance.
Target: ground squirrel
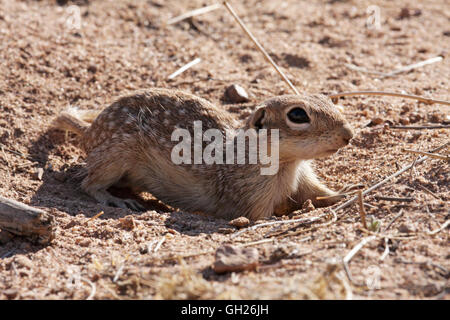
(130, 144)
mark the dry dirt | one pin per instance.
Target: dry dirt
(47, 63)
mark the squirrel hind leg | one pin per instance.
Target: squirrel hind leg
(103, 174)
(107, 199)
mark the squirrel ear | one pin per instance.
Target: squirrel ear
(256, 120)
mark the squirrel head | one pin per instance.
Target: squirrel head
(310, 126)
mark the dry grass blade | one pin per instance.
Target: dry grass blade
(439, 126)
(391, 94)
(445, 225)
(395, 72)
(158, 245)
(119, 272)
(407, 236)
(362, 211)
(184, 68)
(300, 220)
(428, 191)
(431, 155)
(386, 249)
(364, 70)
(194, 13)
(414, 66)
(352, 253)
(93, 288)
(408, 199)
(389, 178)
(393, 220)
(96, 216)
(259, 46)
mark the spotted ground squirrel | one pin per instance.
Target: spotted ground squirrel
(130, 144)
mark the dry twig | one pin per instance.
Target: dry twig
(392, 94)
(429, 154)
(439, 126)
(351, 254)
(184, 68)
(193, 13)
(362, 211)
(259, 46)
(389, 178)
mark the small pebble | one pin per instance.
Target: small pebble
(10, 293)
(232, 259)
(235, 93)
(376, 121)
(240, 222)
(404, 228)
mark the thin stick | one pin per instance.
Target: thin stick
(93, 288)
(352, 252)
(429, 192)
(397, 71)
(439, 126)
(300, 220)
(409, 199)
(193, 13)
(445, 225)
(358, 247)
(399, 237)
(158, 245)
(96, 216)
(362, 211)
(431, 155)
(392, 94)
(414, 66)
(257, 242)
(118, 273)
(258, 45)
(364, 70)
(393, 220)
(396, 174)
(386, 249)
(184, 68)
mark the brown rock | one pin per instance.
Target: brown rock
(404, 121)
(232, 259)
(404, 228)
(235, 93)
(85, 242)
(376, 121)
(240, 222)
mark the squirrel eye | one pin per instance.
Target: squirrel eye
(298, 115)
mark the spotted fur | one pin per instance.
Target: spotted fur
(129, 143)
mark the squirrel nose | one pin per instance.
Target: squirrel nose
(346, 134)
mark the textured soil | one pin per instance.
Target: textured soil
(50, 59)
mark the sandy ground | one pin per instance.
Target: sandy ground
(53, 55)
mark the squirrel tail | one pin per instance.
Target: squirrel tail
(75, 120)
